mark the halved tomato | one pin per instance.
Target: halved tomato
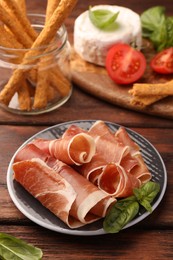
(125, 64)
(162, 62)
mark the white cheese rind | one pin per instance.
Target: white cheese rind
(92, 44)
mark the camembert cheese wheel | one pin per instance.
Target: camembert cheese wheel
(92, 43)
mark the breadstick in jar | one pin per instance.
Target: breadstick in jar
(24, 96)
(51, 6)
(22, 5)
(15, 27)
(12, 7)
(46, 35)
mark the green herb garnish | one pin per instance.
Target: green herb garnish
(103, 19)
(157, 27)
(126, 209)
(17, 249)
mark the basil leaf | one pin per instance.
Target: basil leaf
(120, 214)
(17, 249)
(157, 27)
(169, 26)
(153, 18)
(146, 194)
(103, 19)
(159, 37)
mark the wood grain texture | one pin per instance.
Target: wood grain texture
(151, 239)
(143, 244)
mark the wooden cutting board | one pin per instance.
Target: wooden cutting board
(94, 80)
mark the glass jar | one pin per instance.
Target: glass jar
(46, 78)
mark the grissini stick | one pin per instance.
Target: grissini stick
(47, 34)
(51, 6)
(15, 9)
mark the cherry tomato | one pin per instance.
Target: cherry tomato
(124, 64)
(163, 61)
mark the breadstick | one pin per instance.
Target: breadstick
(145, 101)
(40, 98)
(55, 22)
(15, 27)
(59, 82)
(22, 5)
(52, 94)
(51, 6)
(152, 89)
(7, 40)
(24, 96)
(46, 35)
(20, 16)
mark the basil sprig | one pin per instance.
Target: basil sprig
(103, 19)
(157, 27)
(123, 211)
(17, 249)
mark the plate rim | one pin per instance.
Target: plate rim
(76, 231)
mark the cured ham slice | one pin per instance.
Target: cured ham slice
(121, 184)
(134, 164)
(110, 177)
(73, 130)
(140, 170)
(53, 191)
(72, 148)
(90, 203)
(123, 137)
(89, 197)
(107, 144)
(30, 151)
(93, 169)
(119, 148)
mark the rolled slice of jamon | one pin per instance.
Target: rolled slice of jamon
(116, 182)
(107, 145)
(139, 168)
(92, 170)
(90, 200)
(90, 203)
(120, 148)
(74, 147)
(53, 191)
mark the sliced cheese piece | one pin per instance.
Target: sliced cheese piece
(92, 43)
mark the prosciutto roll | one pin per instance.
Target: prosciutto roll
(121, 184)
(74, 147)
(90, 202)
(119, 148)
(107, 145)
(133, 162)
(53, 191)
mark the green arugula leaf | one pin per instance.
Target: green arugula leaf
(146, 194)
(103, 19)
(120, 214)
(17, 249)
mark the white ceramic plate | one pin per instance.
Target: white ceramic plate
(33, 210)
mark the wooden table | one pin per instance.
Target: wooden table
(150, 239)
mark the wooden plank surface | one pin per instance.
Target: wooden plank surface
(143, 244)
(151, 239)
